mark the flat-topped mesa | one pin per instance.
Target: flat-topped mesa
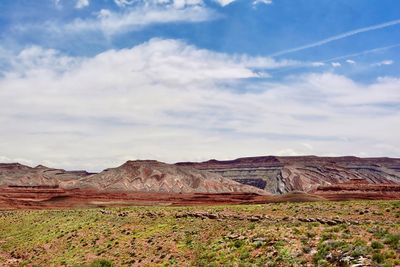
(303, 173)
(155, 176)
(240, 162)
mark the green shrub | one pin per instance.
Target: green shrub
(360, 250)
(376, 245)
(97, 263)
(238, 243)
(393, 240)
(306, 249)
(378, 258)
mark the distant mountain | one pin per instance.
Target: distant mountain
(16, 175)
(280, 175)
(132, 176)
(277, 175)
(154, 176)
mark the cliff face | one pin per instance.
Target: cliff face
(285, 174)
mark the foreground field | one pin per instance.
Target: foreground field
(358, 233)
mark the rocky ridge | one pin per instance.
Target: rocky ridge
(133, 176)
(154, 176)
(18, 175)
(280, 175)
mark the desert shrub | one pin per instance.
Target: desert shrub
(378, 258)
(376, 245)
(325, 248)
(306, 249)
(244, 255)
(97, 263)
(285, 258)
(310, 234)
(327, 236)
(101, 263)
(360, 248)
(378, 232)
(323, 263)
(238, 243)
(390, 254)
(258, 244)
(393, 240)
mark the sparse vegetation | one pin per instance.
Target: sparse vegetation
(281, 234)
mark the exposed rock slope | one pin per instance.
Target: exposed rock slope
(304, 173)
(154, 176)
(18, 175)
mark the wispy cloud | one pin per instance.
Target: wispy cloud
(123, 3)
(383, 63)
(174, 3)
(266, 2)
(338, 37)
(82, 3)
(350, 61)
(224, 2)
(139, 16)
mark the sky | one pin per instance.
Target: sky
(90, 84)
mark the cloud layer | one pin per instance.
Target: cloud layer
(171, 101)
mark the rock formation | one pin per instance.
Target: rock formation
(154, 176)
(18, 175)
(132, 176)
(280, 175)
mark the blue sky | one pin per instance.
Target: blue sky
(86, 84)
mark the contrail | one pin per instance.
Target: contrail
(338, 37)
(365, 52)
(361, 53)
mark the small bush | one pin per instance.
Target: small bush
(376, 245)
(238, 243)
(101, 263)
(378, 258)
(393, 241)
(306, 249)
(360, 250)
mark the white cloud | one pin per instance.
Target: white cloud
(383, 63)
(317, 64)
(123, 3)
(224, 2)
(266, 2)
(142, 15)
(351, 62)
(336, 64)
(171, 3)
(82, 3)
(167, 100)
